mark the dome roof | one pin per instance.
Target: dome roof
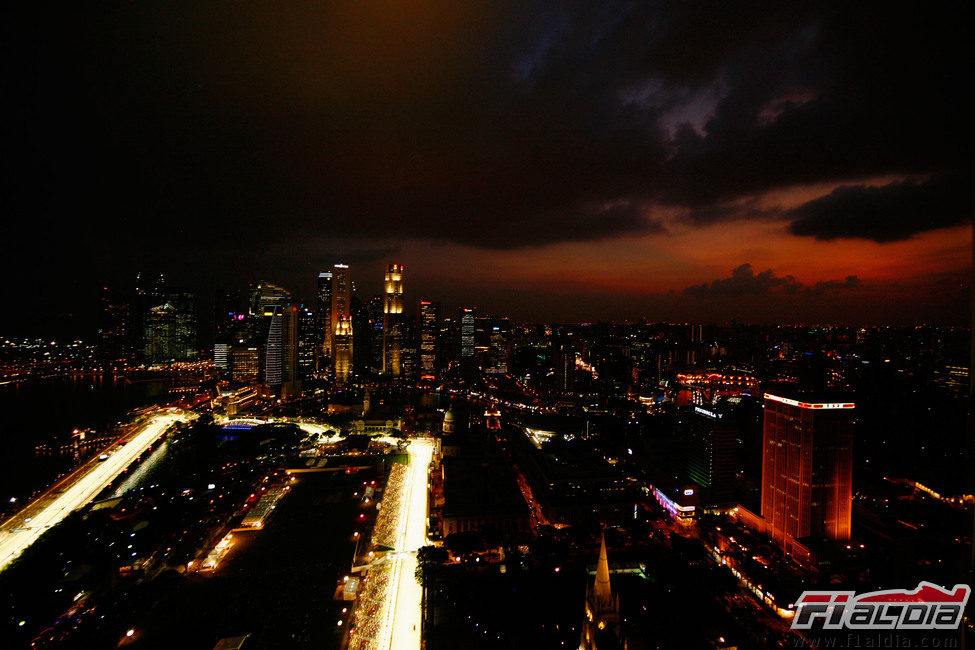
(448, 416)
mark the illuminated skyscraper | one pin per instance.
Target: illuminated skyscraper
(245, 363)
(341, 298)
(272, 352)
(393, 320)
(807, 468)
(342, 349)
(429, 331)
(266, 297)
(468, 329)
(170, 329)
(565, 365)
(281, 351)
(711, 453)
(309, 342)
(323, 312)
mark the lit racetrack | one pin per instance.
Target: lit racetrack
(23, 529)
(403, 623)
(389, 609)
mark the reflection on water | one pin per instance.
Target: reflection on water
(36, 411)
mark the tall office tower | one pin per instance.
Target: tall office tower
(266, 298)
(374, 313)
(342, 350)
(323, 311)
(221, 356)
(148, 294)
(361, 336)
(807, 468)
(273, 352)
(711, 460)
(565, 366)
(341, 298)
(229, 313)
(281, 351)
(468, 329)
(429, 314)
(393, 320)
(113, 326)
(170, 329)
(245, 363)
(309, 342)
(497, 334)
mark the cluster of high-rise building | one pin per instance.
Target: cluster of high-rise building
(266, 335)
(155, 324)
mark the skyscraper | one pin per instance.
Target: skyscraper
(266, 297)
(341, 317)
(393, 319)
(323, 313)
(281, 351)
(341, 295)
(113, 326)
(309, 342)
(342, 349)
(374, 314)
(807, 468)
(565, 365)
(170, 329)
(711, 457)
(273, 352)
(429, 330)
(468, 328)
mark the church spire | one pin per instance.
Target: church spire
(604, 593)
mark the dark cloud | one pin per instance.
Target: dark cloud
(887, 213)
(162, 130)
(744, 282)
(481, 123)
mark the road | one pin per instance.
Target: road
(403, 622)
(23, 529)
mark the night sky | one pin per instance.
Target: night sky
(786, 161)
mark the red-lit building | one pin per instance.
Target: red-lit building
(807, 470)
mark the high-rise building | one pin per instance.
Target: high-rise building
(170, 329)
(565, 366)
(343, 350)
(429, 315)
(361, 336)
(468, 330)
(229, 312)
(711, 453)
(309, 342)
(245, 363)
(393, 320)
(341, 296)
(113, 326)
(807, 468)
(273, 352)
(221, 356)
(323, 312)
(266, 298)
(374, 314)
(281, 351)
(497, 341)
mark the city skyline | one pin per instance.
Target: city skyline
(589, 163)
